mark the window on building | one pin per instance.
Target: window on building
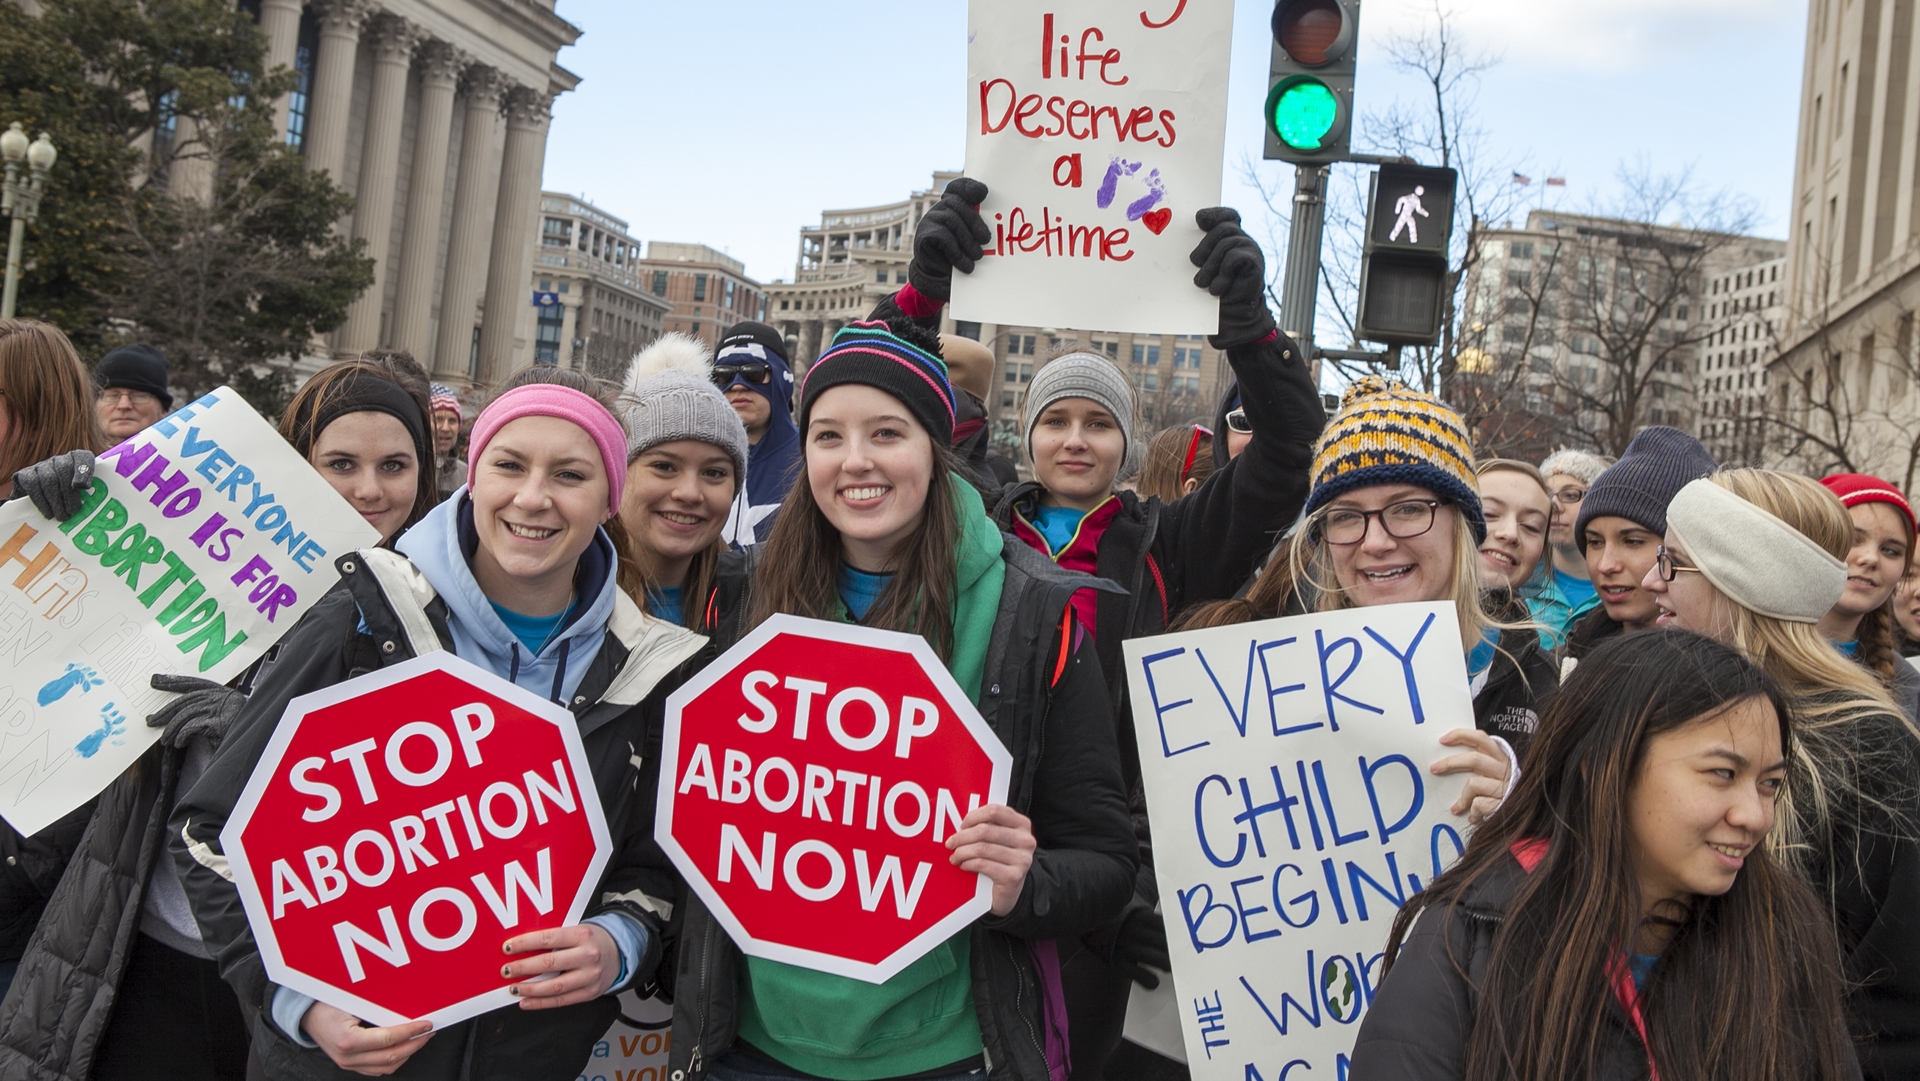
(880, 275)
(783, 305)
(899, 277)
(729, 300)
(659, 283)
(1027, 345)
(1152, 382)
(300, 102)
(1520, 249)
(699, 287)
(966, 328)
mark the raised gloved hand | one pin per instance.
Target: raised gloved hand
(951, 236)
(1140, 946)
(1233, 269)
(204, 708)
(57, 484)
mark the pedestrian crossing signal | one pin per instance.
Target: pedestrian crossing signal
(1309, 110)
(1404, 266)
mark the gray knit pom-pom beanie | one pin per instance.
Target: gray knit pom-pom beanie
(1093, 377)
(670, 396)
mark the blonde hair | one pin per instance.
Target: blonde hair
(1306, 578)
(1830, 693)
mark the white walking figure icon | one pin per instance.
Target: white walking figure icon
(1406, 207)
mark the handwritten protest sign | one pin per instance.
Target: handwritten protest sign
(202, 541)
(1099, 129)
(1286, 777)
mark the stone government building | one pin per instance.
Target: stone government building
(434, 115)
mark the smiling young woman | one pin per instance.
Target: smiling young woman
(368, 438)
(1754, 558)
(1864, 623)
(516, 574)
(880, 530)
(687, 456)
(1604, 913)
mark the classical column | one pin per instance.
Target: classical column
(393, 40)
(468, 243)
(569, 324)
(331, 103)
(509, 279)
(440, 65)
(280, 23)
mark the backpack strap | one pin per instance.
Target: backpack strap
(408, 593)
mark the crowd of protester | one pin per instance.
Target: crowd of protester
(1692, 772)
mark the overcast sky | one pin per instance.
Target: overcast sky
(735, 123)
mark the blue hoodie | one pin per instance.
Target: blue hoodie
(771, 463)
(442, 546)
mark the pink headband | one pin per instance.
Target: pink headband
(551, 400)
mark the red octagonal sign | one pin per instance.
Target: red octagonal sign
(401, 826)
(809, 780)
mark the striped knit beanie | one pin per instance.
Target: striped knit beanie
(871, 354)
(1388, 433)
(444, 400)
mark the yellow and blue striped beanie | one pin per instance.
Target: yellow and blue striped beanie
(1389, 433)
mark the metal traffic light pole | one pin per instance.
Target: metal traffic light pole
(1301, 286)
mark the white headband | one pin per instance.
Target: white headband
(1760, 562)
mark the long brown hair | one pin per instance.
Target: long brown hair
(1174, 457)
(1549, 976)
(798, 569)
(328, 384)
(47, 395)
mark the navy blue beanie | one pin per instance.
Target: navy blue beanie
(1658, 463)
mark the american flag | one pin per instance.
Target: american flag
(1522, 179)
(1556, 182)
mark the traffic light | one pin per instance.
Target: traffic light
(1309, 113)
(1404, 263)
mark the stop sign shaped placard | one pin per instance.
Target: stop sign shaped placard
(809, 780)
(401, 826)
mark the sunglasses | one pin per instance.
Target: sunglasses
(752, 371)
(1200, 432)
(1237, 421)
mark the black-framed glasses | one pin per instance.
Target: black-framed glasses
(1237, 422)
(1404, 520)
(1668, 568)
(1569, 496)
(749, 371)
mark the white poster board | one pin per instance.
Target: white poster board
(1099, 129)
(203, 540)
(1292, 810)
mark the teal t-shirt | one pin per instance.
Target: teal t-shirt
(1577, 591)
(1850, 649)
(1481, 658)
(663, 602)
(533, 631)
(1057, 525)
(859, 590)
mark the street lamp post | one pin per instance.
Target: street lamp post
(21, 200)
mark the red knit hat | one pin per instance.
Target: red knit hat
(1857, 488)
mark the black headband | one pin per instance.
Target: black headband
(366, 394)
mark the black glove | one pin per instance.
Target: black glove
(1140, 945)
(57, 484)
(204, 708)
(1233, 269)
(951, 235)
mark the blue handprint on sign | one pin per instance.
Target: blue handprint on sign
(75, 677)
(112, 723)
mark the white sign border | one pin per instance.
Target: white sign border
(822, 630)
(244, 879)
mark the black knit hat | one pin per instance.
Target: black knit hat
(1658, 463)
(760, 334)
(871, 354)
(138, 366)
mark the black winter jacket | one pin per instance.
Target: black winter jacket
(1066, 777)
(30, 867)
(326, 648)
(1417, 1026)
(1867, 867)
(1524, 678)
(62, 998)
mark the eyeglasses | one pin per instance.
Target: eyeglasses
(751, 371)
(1402, 521)
(1237, 421)
(1569, 496)
(139, 399)
(1668, 568)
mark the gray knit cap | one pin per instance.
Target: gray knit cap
(1093, 377)
(670, 395)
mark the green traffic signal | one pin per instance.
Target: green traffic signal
(1302, 111)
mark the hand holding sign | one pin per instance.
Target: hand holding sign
(951, 236)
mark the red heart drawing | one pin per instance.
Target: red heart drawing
(1157, 220)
